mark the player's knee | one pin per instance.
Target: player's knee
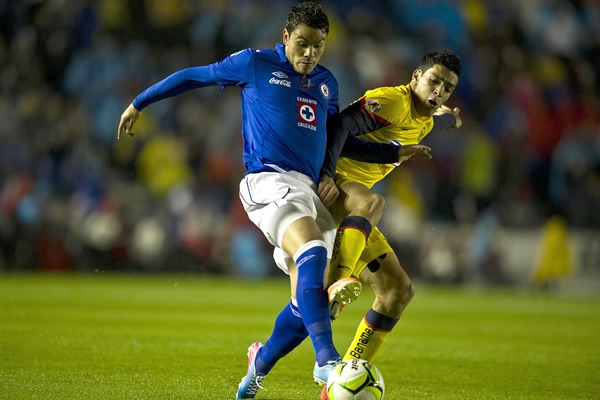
(376, 203)
(371, 204)
(409, 292)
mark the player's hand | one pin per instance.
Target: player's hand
(328, 191)
(454, 111)
(406, 152)
(128, 118)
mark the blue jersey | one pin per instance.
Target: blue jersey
(284, 113)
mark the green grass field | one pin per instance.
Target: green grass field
(185, 337)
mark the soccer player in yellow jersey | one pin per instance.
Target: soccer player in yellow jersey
(402, 115)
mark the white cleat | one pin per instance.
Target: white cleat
(342, 293)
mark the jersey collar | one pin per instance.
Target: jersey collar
(280, 48)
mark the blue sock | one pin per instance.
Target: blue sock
(311, 260)
(288, 333)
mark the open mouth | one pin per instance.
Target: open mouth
(432, 102)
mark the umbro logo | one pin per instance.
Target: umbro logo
(280, 79)
(303, 260)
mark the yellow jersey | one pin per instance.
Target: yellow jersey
(387, 115)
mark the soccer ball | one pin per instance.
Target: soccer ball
(355, 380)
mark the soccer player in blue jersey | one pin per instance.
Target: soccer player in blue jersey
(286, 99)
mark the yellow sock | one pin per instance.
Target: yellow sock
(370, 336)
(350, 241)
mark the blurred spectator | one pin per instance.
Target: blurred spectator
(70, 198)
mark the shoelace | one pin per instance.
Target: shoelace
(330, 365)
(255, 384)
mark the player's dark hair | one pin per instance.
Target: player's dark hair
(307, 13)
(445, 57)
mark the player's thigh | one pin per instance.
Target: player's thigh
(276, 201)
(354, 194)
(350, 192)
(318, 225)
(300, 232)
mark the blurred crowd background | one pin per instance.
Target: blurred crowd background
(72, 197)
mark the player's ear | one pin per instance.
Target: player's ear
(286, 36)
(416, 74)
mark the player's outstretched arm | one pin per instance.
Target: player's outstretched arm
(444, 109)
(128, 118)
(407, 152)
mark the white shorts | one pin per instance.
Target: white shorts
(273, 201)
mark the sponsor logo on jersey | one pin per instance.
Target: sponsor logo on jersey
(280, 74)
(306, 100)
(307, 115)
(324, 90)
(281, 82)
(384, 168)
(373, 106)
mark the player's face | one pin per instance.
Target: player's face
(432, 88)
(304, 47)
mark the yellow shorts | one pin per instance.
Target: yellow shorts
(377, 245)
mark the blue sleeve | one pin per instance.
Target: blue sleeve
(234, 70)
